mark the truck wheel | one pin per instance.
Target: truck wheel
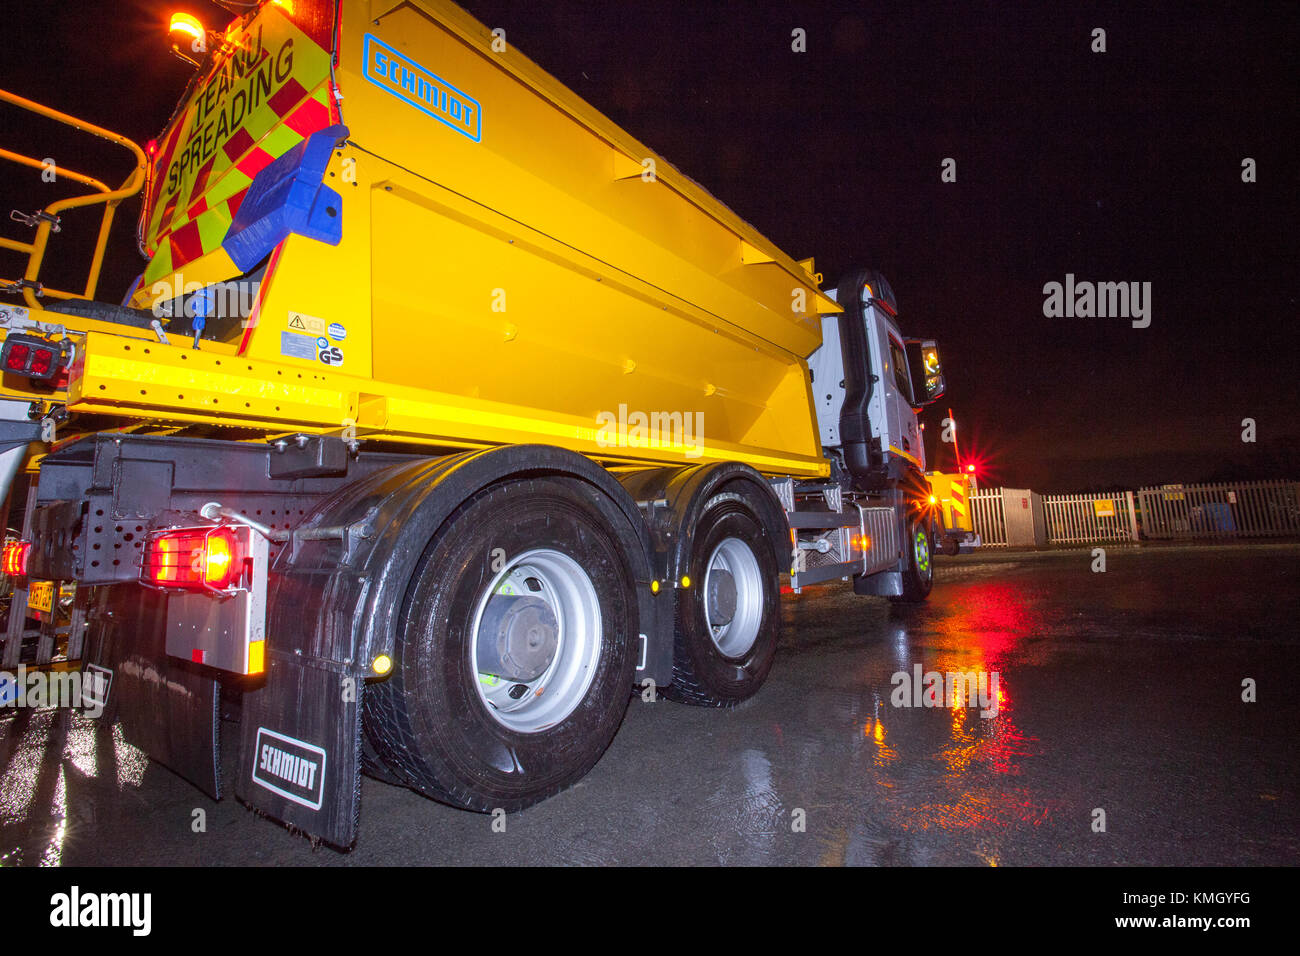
(515, 650)
(729, 617)
(918, 575)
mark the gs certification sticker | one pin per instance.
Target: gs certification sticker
(327, 353)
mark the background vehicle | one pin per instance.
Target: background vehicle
(950, 503)
(435, 426)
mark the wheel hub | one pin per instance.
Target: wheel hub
(517, 637)
(733, 598)
(722, 596)
(536, 641)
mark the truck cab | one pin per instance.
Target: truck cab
(867, 373)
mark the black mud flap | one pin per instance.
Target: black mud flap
(654, 651)
(300, 761)
(168, 708)
(880, 584)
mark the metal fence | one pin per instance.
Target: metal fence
(1080, 519)
(1229, 510)
(989, 518)
(1226, 510)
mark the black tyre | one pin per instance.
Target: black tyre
(516, 648)
(729, 618)
(918, 571)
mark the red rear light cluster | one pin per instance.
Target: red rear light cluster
(34, 357)
(203, 559)
(13, 560)
(17, 356)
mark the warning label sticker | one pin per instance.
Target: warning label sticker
(298, 346)
(307, 324)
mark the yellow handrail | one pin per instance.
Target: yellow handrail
(35, 249)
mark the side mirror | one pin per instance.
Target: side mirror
(927, 371)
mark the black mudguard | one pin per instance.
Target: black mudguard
(683, 493)
(335, 600)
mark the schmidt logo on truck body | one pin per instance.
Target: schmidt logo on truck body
(291, 768)
(427, 92)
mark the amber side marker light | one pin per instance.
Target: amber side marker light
(257, 657)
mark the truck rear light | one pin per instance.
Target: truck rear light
(204, 559)
(17, 356)
(215, 579)
(42, 362)
(13, 561)
(34, 357)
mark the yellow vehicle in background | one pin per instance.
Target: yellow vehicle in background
(443, 415)
(950, 500)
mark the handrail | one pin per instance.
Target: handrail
(35, 250)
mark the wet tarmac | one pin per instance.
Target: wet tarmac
(1118, 691)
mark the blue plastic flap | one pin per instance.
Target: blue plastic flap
(288, 197)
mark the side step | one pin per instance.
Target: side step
(829, 541)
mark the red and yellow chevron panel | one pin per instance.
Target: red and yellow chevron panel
(259, 99)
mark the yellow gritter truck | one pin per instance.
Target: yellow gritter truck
(443, 416)
(950, 500)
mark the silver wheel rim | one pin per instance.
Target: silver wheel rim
(544, 612)
(733, 597)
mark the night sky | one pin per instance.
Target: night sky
(1116, 166)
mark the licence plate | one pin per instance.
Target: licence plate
(40, 596)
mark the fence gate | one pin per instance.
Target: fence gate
(988, 517)
(1083, 519)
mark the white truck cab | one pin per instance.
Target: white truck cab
(903, 376)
